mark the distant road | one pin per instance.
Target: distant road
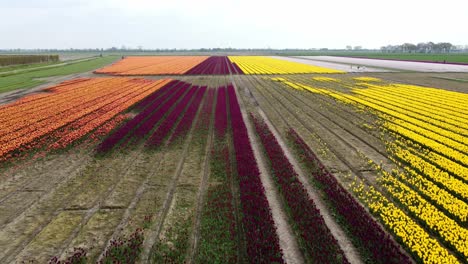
(392, 64)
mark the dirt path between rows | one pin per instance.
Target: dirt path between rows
(287, 240)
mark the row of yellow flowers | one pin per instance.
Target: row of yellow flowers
(448, 229)
(440, 145)
(436, 96)
(445, 131)
(267, 65)
(413, 236)
(444, 117)
(439, 196)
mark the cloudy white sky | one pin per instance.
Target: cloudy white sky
(229, 23)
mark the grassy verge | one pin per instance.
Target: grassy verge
(30, 79)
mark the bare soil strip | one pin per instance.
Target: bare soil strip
(155, 230)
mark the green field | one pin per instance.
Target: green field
(30, 79)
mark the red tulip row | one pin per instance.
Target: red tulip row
(221, 113)
(164, 129)
(216, 65)
(316, 238)
(186, 122)
(158, 115)
(150, 99)
(152, 113)
(261, 238)
(361, 224)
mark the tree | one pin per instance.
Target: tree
(445, 47)
(408, 47)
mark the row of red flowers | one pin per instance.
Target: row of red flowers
(164, 129)
(317, 239)
(189, 116)
(369, 233)
(142, 123)
(217, 65)
(261, 238)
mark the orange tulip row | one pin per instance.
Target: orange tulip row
(12, 118)
(64, 118)
(150, 65)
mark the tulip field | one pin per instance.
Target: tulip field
(212, 65)
(234, 159)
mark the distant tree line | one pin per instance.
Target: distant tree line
(6, 60)
(423, 47)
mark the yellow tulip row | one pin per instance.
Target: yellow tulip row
(326, 79)
(429, 143)
(439, 196)
(410, 233)
(267, 65)
(421, 101)
(429, 136)
(445, 163)
(433, 218)
(422, 95)
(443, 144)
(455, 124)
(424, 123)
(405, 128)
(367, 79)
(435, 96)
(435, 174)
(445, 94)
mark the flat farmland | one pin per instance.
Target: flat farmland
(236, 159)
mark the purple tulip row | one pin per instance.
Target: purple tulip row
(186, 122)
(317, 239)
(218, 65)
(151, 110)
(165, 127)
(370, 234)
(221, 113)
(157, 116)
(262, 240)
(160, 92)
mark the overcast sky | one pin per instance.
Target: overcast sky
(229, 23)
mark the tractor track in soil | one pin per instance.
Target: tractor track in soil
(62, 206)
(156, 228)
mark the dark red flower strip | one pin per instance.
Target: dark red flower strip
(262, 240)
(362, 225)
(124, 250)
(319, 243)
(112, 140)
(164, 129)
(186, 122)
(149, 100)
(157, 116)
(221, 113)
(215, 65)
